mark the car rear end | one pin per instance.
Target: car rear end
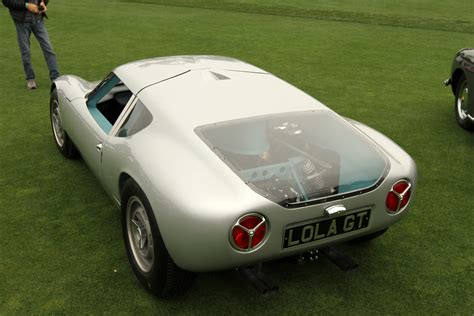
(311, 179)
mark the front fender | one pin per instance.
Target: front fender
(73, 87)
(463, 63)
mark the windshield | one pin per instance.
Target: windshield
(295, 158)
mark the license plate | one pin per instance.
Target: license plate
(318, 230)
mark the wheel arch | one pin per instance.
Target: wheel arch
(455, 79)
(124, 176)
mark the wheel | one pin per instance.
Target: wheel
(460, 104)
(62, 140)
(145, 248)
(369, 237)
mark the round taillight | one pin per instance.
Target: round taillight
(249, 232)
(399, 196)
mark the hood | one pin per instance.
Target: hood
(467, 53)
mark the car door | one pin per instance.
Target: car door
(88, 138)
(104, 106)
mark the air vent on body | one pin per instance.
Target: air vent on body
(219, 76)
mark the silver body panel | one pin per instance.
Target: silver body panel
(195, 196)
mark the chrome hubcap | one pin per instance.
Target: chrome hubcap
(57, 124)
(139, 233)
(462, 101)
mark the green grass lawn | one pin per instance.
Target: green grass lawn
(378, 62)
(425, 14)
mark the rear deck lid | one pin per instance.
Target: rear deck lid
(299, 158)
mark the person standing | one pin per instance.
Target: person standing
(28, 17)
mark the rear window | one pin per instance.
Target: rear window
(296, 158)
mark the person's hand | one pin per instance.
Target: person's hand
(33, 8)
(45, 8)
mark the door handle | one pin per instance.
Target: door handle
(99, 147)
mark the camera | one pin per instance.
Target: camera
(41, 8)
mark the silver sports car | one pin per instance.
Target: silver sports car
(217, 164)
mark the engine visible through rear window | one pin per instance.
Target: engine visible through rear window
(297, 157)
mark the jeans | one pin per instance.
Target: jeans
(23, 32)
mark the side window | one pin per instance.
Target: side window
(107, 101)
(137, 120)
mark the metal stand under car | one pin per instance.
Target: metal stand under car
(265, 286)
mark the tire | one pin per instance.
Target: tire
(460, 102)
(150, 261)
(369, 237)
(60, 137)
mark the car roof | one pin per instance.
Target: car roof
(197, 90)
(139, 74)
